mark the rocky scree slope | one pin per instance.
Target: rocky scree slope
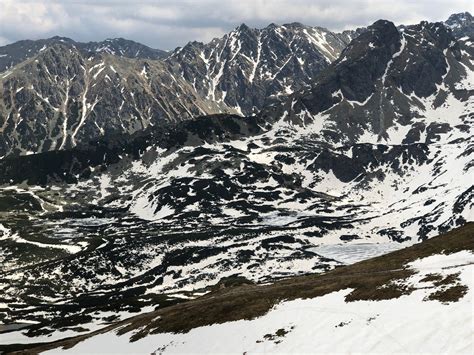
(65, 96)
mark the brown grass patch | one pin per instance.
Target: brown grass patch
(451, 294)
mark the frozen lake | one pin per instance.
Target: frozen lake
(350, 253)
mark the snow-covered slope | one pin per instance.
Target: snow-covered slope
(375, 156)
(330, 325)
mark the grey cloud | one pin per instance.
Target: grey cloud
(167, 24)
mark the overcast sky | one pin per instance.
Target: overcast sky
(167, 24)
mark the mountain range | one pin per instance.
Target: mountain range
(61, 93)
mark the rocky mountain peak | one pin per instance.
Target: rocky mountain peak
(381, 39)
(356, 71)
(65, 96)
(242, 72)
(124, 48)
(247, 68)
(272, 26)
(60, 39)
(71, 92)
(243, 28)
(294, 25)
(460, 19)
(461, 24)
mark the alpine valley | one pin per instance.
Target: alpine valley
(175, 196)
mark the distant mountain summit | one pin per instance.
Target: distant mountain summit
(124, 48)
(17, 52)
(461, 24)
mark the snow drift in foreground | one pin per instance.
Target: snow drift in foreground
(328, 324)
